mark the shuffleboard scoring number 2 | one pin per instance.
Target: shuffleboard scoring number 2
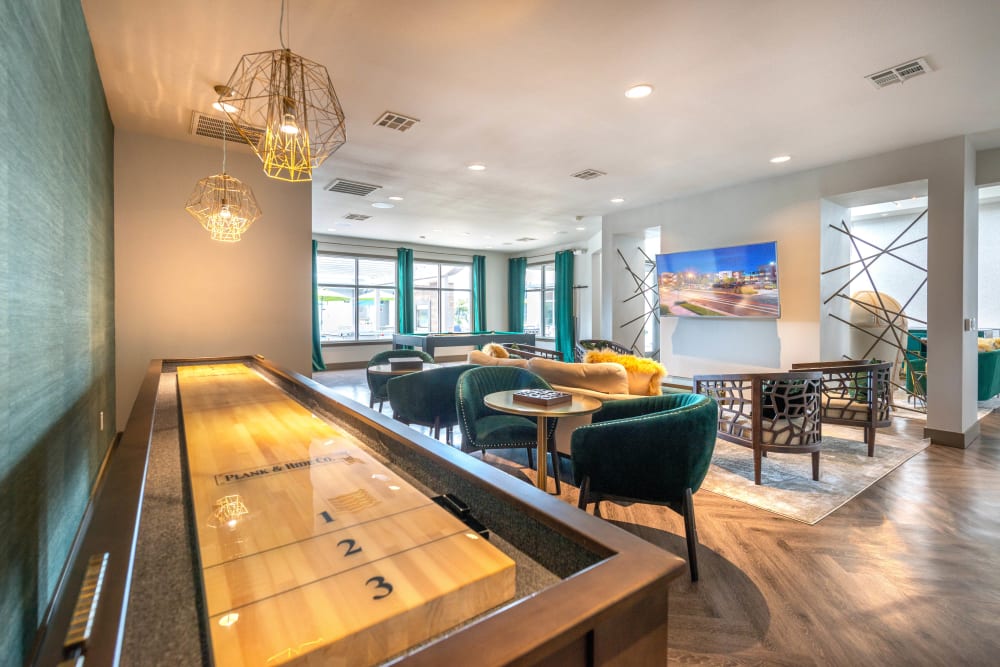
(352, 548)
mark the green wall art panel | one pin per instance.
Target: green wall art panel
(57, 308)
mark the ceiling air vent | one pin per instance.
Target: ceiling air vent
(213, 127)
(899, 73)
(396, 121)
(588, 174)
(356, 216)
(344, 186)
(525, 239)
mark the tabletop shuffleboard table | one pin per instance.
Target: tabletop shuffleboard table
(250, 516)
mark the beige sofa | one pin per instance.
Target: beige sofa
(607, 381)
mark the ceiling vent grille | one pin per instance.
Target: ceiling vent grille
(344, 186)
(899, 73)
(213, 127)
(356, 216)
(525, 239)
(588, 174)
(396, 121)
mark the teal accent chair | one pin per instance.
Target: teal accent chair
(427, 398)
(653, 450)
(485, 428)
(377, 383)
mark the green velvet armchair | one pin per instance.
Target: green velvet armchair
(427, 398)
(654, 450)
(377, 383)
(484, 428)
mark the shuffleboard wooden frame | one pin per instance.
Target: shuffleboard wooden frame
(608, 609)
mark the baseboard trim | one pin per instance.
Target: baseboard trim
(953, 439)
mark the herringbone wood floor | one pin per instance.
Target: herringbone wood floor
(907, 573)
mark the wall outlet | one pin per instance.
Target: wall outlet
(102, 419)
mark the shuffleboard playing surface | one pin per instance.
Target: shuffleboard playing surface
(311, 549)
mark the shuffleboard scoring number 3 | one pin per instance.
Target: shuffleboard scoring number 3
(380, 584)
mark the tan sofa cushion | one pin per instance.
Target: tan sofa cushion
(483, 359)
(607, 378)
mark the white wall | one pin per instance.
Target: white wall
(893, 277)
(788, 209)
(179, 294)
(989, 266)
(496, 289)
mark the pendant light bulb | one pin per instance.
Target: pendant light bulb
(225, 212)
(288, 125)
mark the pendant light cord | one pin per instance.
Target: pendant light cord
(281, 26)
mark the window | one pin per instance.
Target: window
(442, 297)
(539, 297)
(357, 298)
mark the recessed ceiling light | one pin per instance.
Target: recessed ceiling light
(382, 204)
(466, 233)
(396, 198)
(476, 166)
(781, 158)
(617, 200)
(641, 90)
(219, 105)
(580, 229)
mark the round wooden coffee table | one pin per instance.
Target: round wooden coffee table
(503, 401)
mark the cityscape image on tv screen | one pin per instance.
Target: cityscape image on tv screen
(738, 281)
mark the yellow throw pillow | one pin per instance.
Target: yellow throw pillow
(644, 374)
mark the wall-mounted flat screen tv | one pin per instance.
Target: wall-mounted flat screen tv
(738, 281)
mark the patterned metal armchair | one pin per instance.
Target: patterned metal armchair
(768, 412)
(855, 393)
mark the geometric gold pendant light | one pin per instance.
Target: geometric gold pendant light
(223, 205)
(293, 99)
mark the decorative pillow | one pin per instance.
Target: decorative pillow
(496, 350)
(605, 378)
(482, 359)
(644, 374)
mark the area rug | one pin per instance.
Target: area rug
(787, 487)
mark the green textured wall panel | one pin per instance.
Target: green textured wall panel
(57, 290)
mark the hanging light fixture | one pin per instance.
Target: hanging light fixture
(222, 204)
(294, 100)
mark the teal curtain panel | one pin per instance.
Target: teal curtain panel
(318, 363)
(565, 325)
(404, 287)
(479, 293)
(518, 269)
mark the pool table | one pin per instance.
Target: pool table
(430, 342)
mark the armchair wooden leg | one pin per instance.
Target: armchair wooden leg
(531, 457)
(448, 436)
(756, 465)
(870, 439)
(815, 457)
(437, 428)
(691, 533)
(584, 492)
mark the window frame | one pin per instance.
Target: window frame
(548, 267)
(357, 258)
(440, 289)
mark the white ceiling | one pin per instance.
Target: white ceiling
(534, 90)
